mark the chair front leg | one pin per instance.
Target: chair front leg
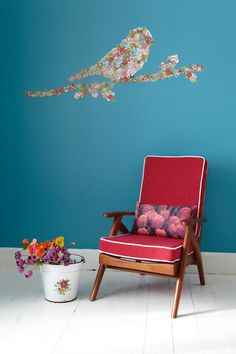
(178, 290)
(97, 282)
(180, 278)
(116, 226)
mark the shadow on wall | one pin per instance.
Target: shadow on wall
(219, 233)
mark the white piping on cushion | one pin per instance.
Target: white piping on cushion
(144, 259)
(200, 192)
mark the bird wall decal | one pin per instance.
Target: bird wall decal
(124, 60)
(120, 65)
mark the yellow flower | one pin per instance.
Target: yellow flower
(59, 241)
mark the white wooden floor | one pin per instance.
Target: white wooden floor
(130, 316)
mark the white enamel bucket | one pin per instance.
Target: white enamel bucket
(61, 282)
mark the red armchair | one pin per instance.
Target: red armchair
(167, 180)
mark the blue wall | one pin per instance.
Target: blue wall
(64, 162)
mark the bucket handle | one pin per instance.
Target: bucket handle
(79, 255)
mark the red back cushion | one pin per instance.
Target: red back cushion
(174, 180)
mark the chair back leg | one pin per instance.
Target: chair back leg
(198, 258)
(97, 282)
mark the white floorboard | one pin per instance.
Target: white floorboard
(130, 316)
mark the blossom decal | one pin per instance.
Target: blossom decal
(120, 65)
(62, 286)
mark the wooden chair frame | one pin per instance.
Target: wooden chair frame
(174, 270)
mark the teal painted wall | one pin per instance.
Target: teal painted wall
(64, 162)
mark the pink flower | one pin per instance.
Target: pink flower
(29, 274)
(173, 220)
(78, 95)
(142, 221)
(110, 97)
(151, 214)
(165, 214)
(163, 207)
(160, 232)
(185, 213)
(176, 73)
(157, 221)
(199, 68)
(173, 59)
(191, 76)
(146, 208)
(176, 231)
(172, 230)
(180, 231)
(142, 231)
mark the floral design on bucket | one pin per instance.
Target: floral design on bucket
(62, 286)
(35, 254)
(120, 65)
(162, 220)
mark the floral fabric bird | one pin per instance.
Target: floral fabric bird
(120, 65)
(123, 61)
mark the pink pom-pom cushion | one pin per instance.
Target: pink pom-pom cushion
(162, 220)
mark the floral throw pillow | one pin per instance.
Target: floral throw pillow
(162, 220)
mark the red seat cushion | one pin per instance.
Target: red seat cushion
(144, 247)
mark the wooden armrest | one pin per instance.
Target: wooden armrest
(117, 225)
(112, 214)
(194, 221)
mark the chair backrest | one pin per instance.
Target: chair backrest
(174, 180)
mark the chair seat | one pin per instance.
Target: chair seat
(143, 247)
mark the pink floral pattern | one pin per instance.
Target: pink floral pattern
(162, 220)
(62, 286)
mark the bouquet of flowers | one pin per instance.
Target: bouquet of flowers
(35, 254)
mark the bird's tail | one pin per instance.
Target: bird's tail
(90, 71)
(103, 88)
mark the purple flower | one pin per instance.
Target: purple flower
(21, 269)
(28, 260)
(17, 255)
(33, 261)
(52, 253)
(20, 262)
(46, 259)
(29, 274)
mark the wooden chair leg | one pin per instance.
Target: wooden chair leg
(180, 279)
(97, 282)
(198, 258)
(200, 268)
(178, 290)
